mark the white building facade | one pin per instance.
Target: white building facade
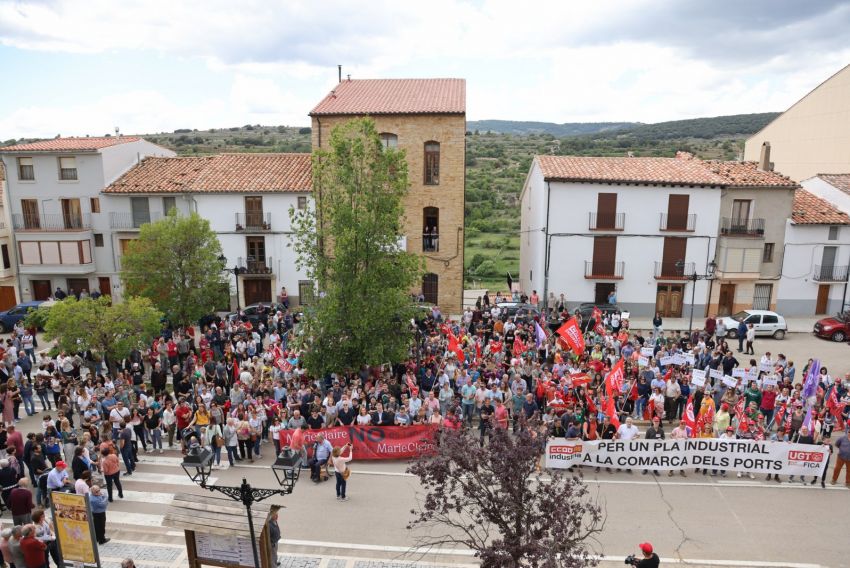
(60, 228)
(815, 267)
(637, 226)
(9, 294)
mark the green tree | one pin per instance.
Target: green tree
(175, 263)
(109, 331)
(349, 244)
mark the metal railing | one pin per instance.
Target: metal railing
(254, 265)
(674, 270)
(122, 220)
(253, 221)
(830, 273)
(742, 227)
(678, 222)
(51, 222)
(603, 270)
(606, 221)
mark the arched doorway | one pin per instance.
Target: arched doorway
(430, 288)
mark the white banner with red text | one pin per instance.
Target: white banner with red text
(713, 453)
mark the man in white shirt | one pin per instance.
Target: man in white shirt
(117, 415)
(627, 431)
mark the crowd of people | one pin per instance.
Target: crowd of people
(236, 385)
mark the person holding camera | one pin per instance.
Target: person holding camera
(649, 558)
(342, 470)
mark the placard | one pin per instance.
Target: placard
(647, 351)
(770, 381)
(643, 362)
(766, 367)
(233, 550)
(698, 377)
(665, 361)
(625, 315)
(730, 382)
(715, 374)
(74, 528)
(739, 372)
(679, 359)
(752, 373)
(690, 359)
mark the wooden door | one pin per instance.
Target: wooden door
(257, 290)
(604, 255)
(430, 288)
(78, 285)
(40, 289)
(29, 208)
(822, 304)
(601, 293)
(662, 298)
(726, 301)
(668, 300)
(675, 249)
(254, 212)
(7, 297)
(677, 212)
(72, 214)
(104, 285)
(606, 211)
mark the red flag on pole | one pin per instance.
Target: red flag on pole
(579, 379)
(611, 412)
(615, 379)
(688, 417)
(573, 336)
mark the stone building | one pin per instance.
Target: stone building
(427, 119)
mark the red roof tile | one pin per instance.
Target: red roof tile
(218, 174)
(674, 171)
(395, 96)
(838, 181)
(748, 174)
(86, 144)
(809, 209)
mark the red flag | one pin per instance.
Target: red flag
(572, 334)
(835, 408)
(780, 413)
(580, 379)
(591, 408)
(477, 351)
(519, 348)
(599, 329)
(688, 417)
(739, 408)
(414, 390)
(704, 418)
(454, 346)
(615, 379)
(596, 314)
(611, 412)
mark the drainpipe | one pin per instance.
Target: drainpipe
(8, 205)
(546, 252)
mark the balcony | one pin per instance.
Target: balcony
(730, 226)
(674, 270)
(51, 223)
(685, 223)
(829, 273)
(606, 221)
(253, 222)
(430, 241)
(253, 265)
(607, 270)
(131, 222)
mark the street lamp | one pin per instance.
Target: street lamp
(709, 275)
(236, 271)
(287, 468)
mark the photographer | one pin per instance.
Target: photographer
(649, 560)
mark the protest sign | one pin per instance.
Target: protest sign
(643, 362)
(647, 351)
(666, 361)
(770, 381)
(730, 382)
(698, 378)
(716, 374)
(690, 359)
(679, 359)
(739, 372)
(376, 442)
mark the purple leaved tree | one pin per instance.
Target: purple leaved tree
(496, 501)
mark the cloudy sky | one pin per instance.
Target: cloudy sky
(85, 67)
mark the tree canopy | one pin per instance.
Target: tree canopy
(349, 245)
(174, 263)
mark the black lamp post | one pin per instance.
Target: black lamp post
(236, 271)
(709, 275)
(287, 468)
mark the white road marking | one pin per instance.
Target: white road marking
(166, 478)
(138, 519)
(145, 497)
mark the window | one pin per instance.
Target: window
(94, 203)
(770, 319)
(7, 263)
(741, 210)
(168, 203)
(124, 245)
(53, 252)
(26, 171)
(768, 253)
(430, 288)
(432, 163)
(302, 203)
(430, 229)
(98, 239)
(72, 215)
(256, 254)
(389, 140)
(833, 233)
(29, 208)
(254, 213)
(761, 299)
(141, 212)
(68, 168)
(306, 294)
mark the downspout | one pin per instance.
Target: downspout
(710, 280)
(546, 251)
(8, 205)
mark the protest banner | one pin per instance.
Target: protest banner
(375, 442)
(679, 359)
(647, 351)
(664, 361)
(716, 374)
(643, 361)
(730, 382)
(698, 378)
(74, 528)
(749, 456)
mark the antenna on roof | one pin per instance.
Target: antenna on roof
(117, 132)
(349, 77)
(339, 72)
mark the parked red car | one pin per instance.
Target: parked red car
(836, 328)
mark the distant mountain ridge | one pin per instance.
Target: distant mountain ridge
(730, 126)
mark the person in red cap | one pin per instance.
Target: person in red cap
(58, 479)
(650, 559)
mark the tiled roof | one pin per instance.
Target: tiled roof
(218, 174)
(395, 96)
(838, 181)
(748, 174)
(674, 171)
(86, 144)
(809, 209)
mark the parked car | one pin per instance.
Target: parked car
(251, 314)
(586, 309)
(10, 317)
(836, 328)
(518, 310)
(765, 322)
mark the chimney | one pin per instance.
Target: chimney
(339, 72)
(764, 158)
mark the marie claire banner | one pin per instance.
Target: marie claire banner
(664, 455)
(375, 442)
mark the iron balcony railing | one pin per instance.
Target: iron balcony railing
(255, 265)
(830, 273)
(121, 220)
(606, 270)
(51, 222)
(678, 222)
(606, 221)
(253, 221)
(742, 227)
(674, 270)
